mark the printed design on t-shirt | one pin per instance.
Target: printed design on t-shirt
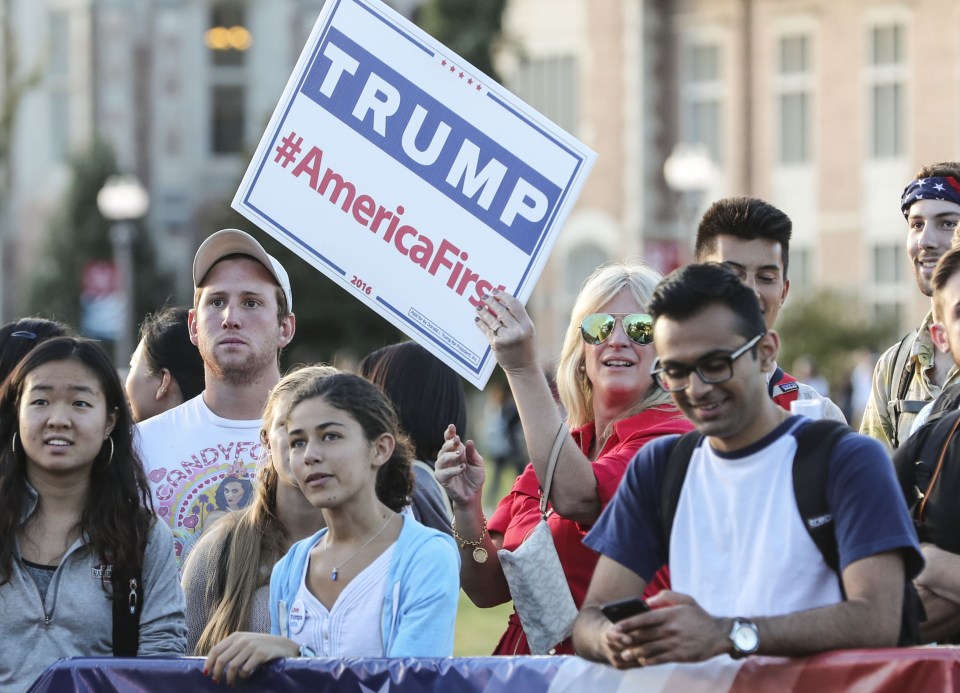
(192, 496)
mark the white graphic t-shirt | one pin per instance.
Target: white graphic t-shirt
(200, 467)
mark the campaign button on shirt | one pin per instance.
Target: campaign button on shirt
(298, 614)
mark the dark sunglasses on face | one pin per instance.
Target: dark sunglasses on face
(711, 370)
(597, 327)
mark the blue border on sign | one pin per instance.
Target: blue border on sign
(487, 354)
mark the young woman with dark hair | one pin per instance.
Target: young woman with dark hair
(74, 503)
(427, 396)
(373, 583)
(226, 577)
(166, 369)
(23, 335)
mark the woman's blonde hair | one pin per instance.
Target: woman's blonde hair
(576, 391)
(253, 539)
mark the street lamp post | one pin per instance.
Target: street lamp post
(121, 200)
(689, 171)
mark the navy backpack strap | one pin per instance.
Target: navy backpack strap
(672, 482)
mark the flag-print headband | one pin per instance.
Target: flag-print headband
(930, 189)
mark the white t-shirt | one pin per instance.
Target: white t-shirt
(353, 627)
(192, 457)
(738, 541)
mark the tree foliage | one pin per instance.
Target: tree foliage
(471, 28)
(827, 327)
(78, 234)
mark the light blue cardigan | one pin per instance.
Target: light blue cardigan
(423, 585)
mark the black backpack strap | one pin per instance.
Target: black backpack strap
(672, 483)
(128, 603)
(811, 472)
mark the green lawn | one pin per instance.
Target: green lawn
(479, 630)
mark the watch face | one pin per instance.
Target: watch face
(745, 638)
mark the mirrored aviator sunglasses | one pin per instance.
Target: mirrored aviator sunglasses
(596, 327)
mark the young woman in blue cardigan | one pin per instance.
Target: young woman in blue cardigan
(374, 582)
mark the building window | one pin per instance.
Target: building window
(886, 77)
(700, 97)
(794, 83)
(227, 119)
(798, 271)
(550, 85)
(887, 264)
(227, 40)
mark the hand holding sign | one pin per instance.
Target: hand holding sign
(411, 179)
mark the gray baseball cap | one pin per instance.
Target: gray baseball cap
(233, 242)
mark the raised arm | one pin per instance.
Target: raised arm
(460, 471)
(511, 334)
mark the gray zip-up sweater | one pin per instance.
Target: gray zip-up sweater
(76, 618)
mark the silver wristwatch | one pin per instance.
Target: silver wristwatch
(744, 637)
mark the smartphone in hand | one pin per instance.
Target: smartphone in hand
(624, 608)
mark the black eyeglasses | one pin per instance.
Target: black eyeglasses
(597, 327)
(713, 370)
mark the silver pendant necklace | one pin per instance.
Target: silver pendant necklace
(336, 569)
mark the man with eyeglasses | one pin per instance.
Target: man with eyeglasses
(752, 237)
(747, 578)
(913, 371)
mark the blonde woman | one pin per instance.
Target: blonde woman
(226, 577)
(613, 409)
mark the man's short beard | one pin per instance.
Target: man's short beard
(926, 288)
(240, 374)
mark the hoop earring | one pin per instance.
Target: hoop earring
(13, 443)
(110, 459)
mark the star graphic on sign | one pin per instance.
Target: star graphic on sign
(385, 688)
(461, 75)
(478, 87)
(470, 81)
(938, 187)
(453, 69)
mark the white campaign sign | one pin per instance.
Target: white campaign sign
(411, 179)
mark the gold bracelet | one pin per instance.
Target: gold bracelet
(479, 553)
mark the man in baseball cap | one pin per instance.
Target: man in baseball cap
(241, 318)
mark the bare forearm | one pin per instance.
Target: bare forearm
(574, 491)
(943, 617)
(849, 624)
(941, 574)
(483, 582)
